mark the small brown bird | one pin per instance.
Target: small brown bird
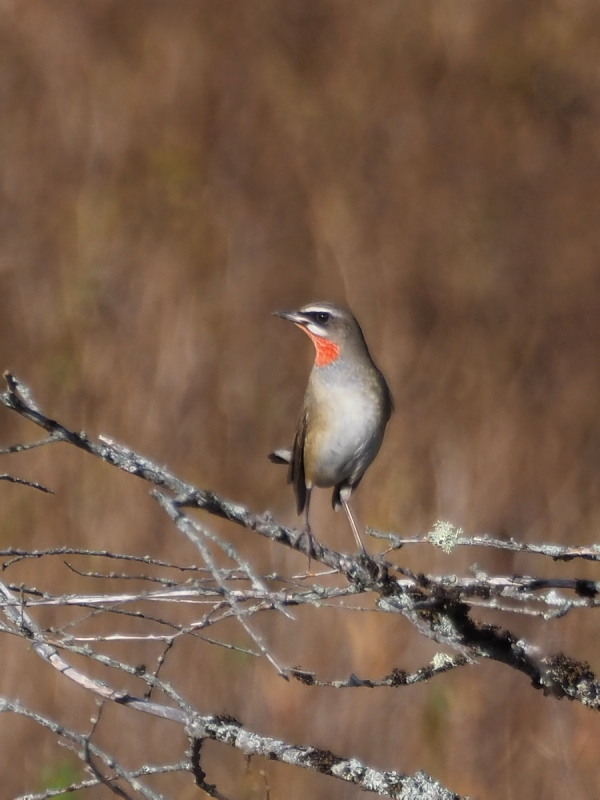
(346, 409)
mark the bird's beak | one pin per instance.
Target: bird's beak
(292, 316)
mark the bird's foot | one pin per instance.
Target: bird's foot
(308, 544)
(375, 566)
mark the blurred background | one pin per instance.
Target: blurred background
(171, 174)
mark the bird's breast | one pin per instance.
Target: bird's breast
(345, 428)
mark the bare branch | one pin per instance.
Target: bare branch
(196, 534)
(390, 784)
(441, 664)
(32, 484)
(554, 551)
(439, 607)
(80, 744)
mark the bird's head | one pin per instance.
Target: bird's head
(331, 328)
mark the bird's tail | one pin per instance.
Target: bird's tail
(280, 456)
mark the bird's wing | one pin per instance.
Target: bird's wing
(296, 473)
(388, 399)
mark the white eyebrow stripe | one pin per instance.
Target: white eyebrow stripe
(316, 308)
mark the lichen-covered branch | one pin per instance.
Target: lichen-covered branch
(391, 784)
(440, 607)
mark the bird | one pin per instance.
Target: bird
(344, 415)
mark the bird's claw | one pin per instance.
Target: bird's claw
(308, 544)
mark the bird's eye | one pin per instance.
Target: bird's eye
(322, 317)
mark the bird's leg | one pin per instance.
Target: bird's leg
(352, 521)
(306, 531)
(310, 539)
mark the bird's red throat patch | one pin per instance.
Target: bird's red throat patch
(327, 351)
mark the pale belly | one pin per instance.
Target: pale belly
(342, 447)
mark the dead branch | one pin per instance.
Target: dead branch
(440, 607)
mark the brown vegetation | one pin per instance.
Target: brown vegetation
(172, 173)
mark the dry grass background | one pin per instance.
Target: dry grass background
(173, 172)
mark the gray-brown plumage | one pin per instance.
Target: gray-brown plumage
(346, 409)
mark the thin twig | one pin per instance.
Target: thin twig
(24, 482)
(554, 551)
